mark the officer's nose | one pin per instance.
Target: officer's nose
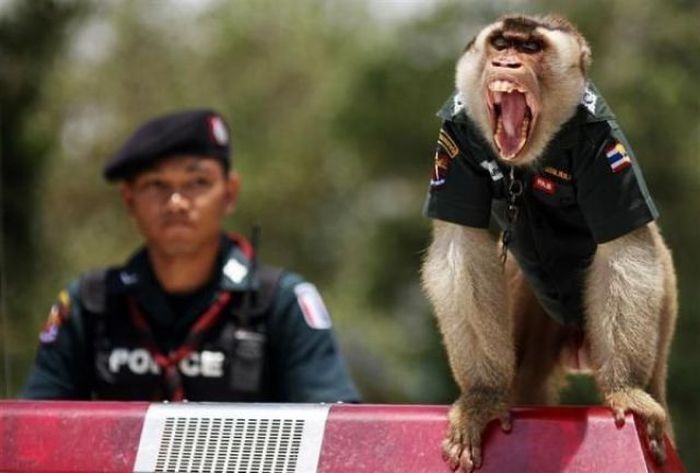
(177, 201)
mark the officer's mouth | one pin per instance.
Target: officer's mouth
(177, 223)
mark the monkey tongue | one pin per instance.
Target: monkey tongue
(510, 136)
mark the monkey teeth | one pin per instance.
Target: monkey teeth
(509, 140)
(504, 86)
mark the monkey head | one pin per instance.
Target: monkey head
(521, 78)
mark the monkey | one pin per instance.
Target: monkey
(581, 278)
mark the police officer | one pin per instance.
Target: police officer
(192, 315)
(586, 189)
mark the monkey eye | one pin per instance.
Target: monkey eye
(500, 43)
(530, 47)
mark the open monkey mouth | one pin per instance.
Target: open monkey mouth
(513, 114)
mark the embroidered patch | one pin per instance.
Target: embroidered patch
(618, 157)
(235, 270)
(558, 173)
(493, 169)
(544, 185)
(440, 167)
(315, 313)
(448, 144)
(57, 315)
(218, 130)
(446, 151)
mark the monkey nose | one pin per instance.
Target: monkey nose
(508, 63)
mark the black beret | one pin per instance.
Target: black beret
(190, 132)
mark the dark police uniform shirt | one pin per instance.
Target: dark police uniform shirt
(85, 355)
(585, 190)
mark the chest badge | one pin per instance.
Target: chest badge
(543, 184)
(563, 175)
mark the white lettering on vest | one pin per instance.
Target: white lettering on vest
(189, 366)
(118, 357)
(212, 364)
(141, 362)
(207, 364)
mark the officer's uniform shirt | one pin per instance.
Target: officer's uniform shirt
(85, 355)
(587, 189)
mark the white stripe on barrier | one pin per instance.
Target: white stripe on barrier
(204, 437)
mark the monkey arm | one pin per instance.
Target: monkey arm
(631, 310)
(465, 283)
(625, 292)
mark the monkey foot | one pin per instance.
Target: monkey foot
(468, 418)
(648, 410)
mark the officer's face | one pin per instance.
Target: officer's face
(179, 204)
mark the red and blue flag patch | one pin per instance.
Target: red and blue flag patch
(618, 157)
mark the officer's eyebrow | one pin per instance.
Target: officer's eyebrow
(198, 164)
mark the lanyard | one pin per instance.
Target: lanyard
(168, 362)
(514, 190)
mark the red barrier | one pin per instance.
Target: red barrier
(69, 436)
(119, 437)
(388, 439)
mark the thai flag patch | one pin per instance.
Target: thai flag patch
(315, 313)
(618, 157)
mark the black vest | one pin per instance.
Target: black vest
(229, 364)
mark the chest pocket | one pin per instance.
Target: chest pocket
(553, 192)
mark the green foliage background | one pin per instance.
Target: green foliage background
(332, 110)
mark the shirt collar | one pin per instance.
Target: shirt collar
(234, 268)
(236, 265)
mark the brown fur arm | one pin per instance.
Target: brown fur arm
(626, 290)
(631, 311)
(465, 283)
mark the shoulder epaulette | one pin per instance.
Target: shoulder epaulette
(595, 106)
(453, 108)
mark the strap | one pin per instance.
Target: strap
(248, 357)
(168, 361)
(92, 290)
(255, 304)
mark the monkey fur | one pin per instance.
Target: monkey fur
(502, 347)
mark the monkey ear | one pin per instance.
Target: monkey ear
(585, 56)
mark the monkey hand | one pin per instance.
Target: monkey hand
(652, 414)
(468, 418)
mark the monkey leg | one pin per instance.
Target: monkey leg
(538, 339)
(465, 283)
(629, 322)
(667, 325)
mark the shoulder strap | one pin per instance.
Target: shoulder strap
(260, 300)
(269, 282)
(93, 290)
(249, 358)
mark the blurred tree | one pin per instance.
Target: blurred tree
(32, 34)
